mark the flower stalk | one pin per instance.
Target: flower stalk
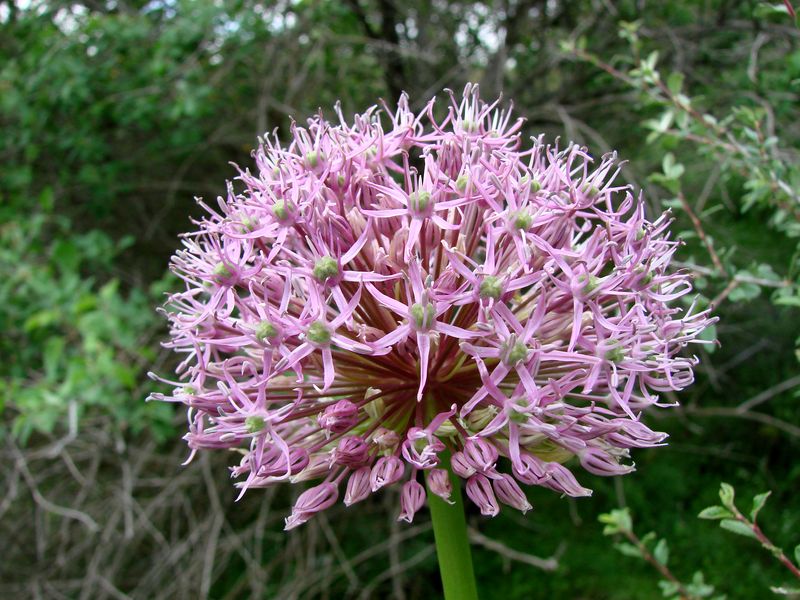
(452, 543)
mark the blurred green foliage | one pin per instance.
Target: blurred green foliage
(113, 115)
(72, 341)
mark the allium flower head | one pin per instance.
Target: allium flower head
(384, 293)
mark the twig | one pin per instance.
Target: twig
(768, 394)
(698, 227)
(546, 564)
(721, 411)
(395, 569)
(68, 513)
(394, 560)
(761, 537)
(661, 568)
(337, 550)
(732, 285)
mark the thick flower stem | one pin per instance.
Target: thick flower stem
(452, 544)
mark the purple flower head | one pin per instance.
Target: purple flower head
(379, 294)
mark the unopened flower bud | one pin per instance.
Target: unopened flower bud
(387, 470)
(339, 417)
(479, 490)
(562, 480)
(446, 430)
(529, 469)
(481, 454)
(509, 492)
(310, 502)
(602, 463)
(351, 452)
(412, 497)
(461, 466)
(358, 486)
(386, 439)
(439, 484)
(278, 463)
(374, 408)
(318, 465)
(480, 418)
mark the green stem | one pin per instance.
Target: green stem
(452, 544)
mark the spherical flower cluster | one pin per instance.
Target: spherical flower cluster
(387, 296)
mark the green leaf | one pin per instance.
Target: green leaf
(715, 512)
(745, 292)
(669, 588)
(617, 520)
(797, 554)
(649, 63)
(675, 82)
(758, 504)
(648, 538)
(41, 319)
(765, 10)
(662, 124)
(787, 301)
(53, 356)
(785, 591)
(737, 527)
(672, 169)
(727, 495)
(628, 549)
(699, 587)
(65, 255)
(765, 271)
(709, 334)
(671, 184)
(661, 552)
